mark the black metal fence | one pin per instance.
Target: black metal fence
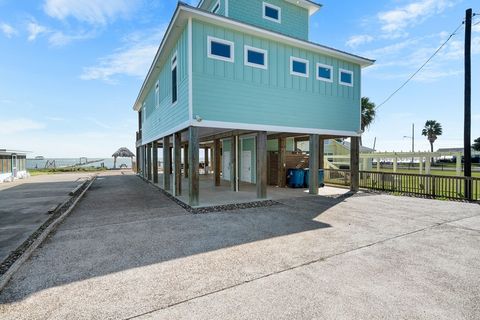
(449, 187)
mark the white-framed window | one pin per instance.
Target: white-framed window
(174, 79)
(157, 94)
(220, 49)
(272, 13)
(255, 57)
(299, 67)
(324, 72)
(216, 7)
(345, 77)
(144, 112)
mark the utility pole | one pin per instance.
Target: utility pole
(467, 151)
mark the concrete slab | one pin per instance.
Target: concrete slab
(25, 204)
(365, 256)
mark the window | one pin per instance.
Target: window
(144, 112)
(299, 67)
(324, 72)
(174, 78)
(272, 13)
(255, 57)
(216, 7)
(345, 77)
(220, 49)
(157, 95)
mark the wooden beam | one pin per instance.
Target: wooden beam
(233, 164)
(185, 159)
(262, 165)
(193, 177)
(170, 156)
(282, 162)
(207, 162)
(354, 164)
(313, 164)
(155, 161)
(149, 162)
(226, 134)
(177, 164)
(166, 163)
(216, 162)
(321, 153)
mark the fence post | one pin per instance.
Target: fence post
(433, 187)
(383, 180)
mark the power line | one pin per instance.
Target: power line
(420, 69)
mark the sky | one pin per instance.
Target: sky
(70, 70)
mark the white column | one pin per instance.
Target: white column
(459, 164)
(395, 162)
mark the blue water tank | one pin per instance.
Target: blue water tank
(321, 179)
(295, 178)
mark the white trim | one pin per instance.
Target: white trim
(215, 6)
(340, 71)
(190, 69)
(292, 59)
(264, 127)
(326, 66)
(226, 8)
(271, 6)
(258, 50)
(222, 41)
(174, 65)
(157, 94)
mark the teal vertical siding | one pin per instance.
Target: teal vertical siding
(232, 92)
(248, 144)
(167, 116)
(294, 19)
(221, 11)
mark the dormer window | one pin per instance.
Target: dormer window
(216, 7)
(272, 13)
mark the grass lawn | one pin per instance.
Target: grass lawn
(36, 172)
(435, 172)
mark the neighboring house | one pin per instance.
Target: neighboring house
(12, 165)
(240, 77)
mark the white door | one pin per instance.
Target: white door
(226, 165)
(246, 166)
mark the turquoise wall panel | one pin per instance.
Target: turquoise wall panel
(220, 11)
(232, 92)
(167, 115)
(294, 19)
(248, 144)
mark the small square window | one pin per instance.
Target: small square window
(272, 13)
(220, 49)
(324, 72)
(299, 67)
(255, 57)
(345, 77)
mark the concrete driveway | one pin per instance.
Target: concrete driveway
(128, 252)
(24, 205)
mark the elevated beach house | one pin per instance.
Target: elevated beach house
(240, 79)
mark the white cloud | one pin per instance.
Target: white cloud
(13, 126)
(134, 59)
(357, 40)
(8, 30)
(403, 17)
(90, 11)
(59, 38)
(34, 30)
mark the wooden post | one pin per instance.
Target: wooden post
(144, 161)
(233, 164)
(207, 162)
(170, 156)
(378, 164)
(185, 160)
(166, 163)
(177, 164)
(261, 165)
(216, 162)
(155, 161)
(420, 165)
(313, 164)
(149, 162)
(321, 153)
(193, 177)
(354, 164)
(282, 162)
(428, 164)
(395, 163)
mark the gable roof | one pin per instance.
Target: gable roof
(185, 12)
(311, 6)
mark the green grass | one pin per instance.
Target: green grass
(435, 172)
(37, 172)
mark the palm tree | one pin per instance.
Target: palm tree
(368, 114)
(432, 130)
(476, 144)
